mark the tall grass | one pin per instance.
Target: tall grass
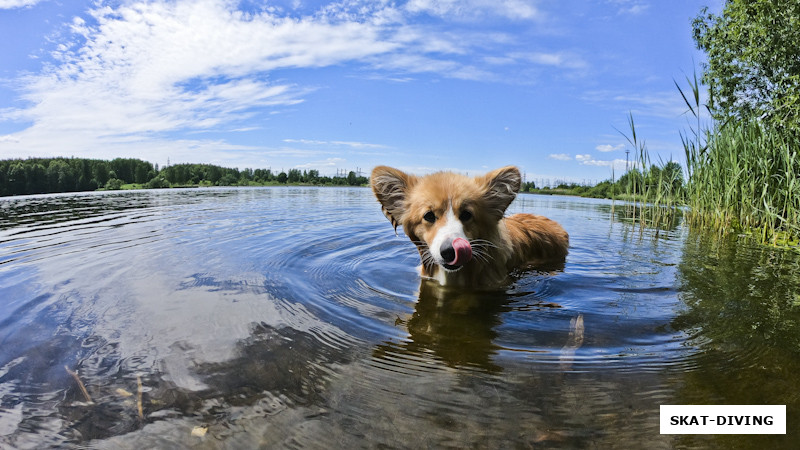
(742, 176)
(654, 191)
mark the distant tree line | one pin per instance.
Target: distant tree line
(666, 179)
(48, 175)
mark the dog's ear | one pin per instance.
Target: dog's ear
(391, 187)
(501, 187)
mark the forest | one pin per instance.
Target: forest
(50, 175)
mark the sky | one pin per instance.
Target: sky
(422, 85)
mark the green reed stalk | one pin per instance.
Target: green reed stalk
(654, 191)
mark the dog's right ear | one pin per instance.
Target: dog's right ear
(391, 187)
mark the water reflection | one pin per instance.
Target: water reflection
(743, 315)
(457, 327)
(460, 328)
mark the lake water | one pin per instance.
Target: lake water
(295, 318)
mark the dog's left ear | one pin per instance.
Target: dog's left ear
(501, 187)
(391, 187)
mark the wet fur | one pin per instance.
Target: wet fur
(499, 244)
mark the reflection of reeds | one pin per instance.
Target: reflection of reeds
(80, 385)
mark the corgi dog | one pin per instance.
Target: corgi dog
(459, 227)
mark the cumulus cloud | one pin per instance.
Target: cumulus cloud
(589, 160)
(560, 156)
(610, 148)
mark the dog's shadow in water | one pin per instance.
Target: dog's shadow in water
(456, 326)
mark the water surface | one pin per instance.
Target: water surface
(294, 317)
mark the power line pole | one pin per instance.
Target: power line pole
(627, 151)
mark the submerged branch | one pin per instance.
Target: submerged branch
(80, 384)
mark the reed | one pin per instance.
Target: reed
(742, 177)
(654, 190)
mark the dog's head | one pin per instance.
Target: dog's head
(447, 215)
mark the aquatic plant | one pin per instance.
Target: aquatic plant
(654, 191)
(742, 176)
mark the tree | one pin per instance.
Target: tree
(17, 179)
(114, 184)
(632, 181)
(282, 177)
(312, 176)
(294, 175)
(141, 172)
(753, 68)
(100, 172)
(36, 179)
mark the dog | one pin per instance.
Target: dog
(459, 227)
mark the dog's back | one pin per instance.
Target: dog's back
(535, 241)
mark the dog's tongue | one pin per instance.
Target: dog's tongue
(463, 252)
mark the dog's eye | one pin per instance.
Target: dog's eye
(430, 216)
(465, 216)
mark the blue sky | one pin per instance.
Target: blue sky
(423, 85)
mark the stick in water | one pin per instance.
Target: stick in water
(139, 396)
(80, 384)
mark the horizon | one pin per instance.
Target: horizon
(422, 85)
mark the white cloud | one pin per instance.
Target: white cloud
(557, 59)
(630, 7)
(471, 9)
(661, 104)
(588, 160)
(13, 4)
(146, 69)
(358, 145)
(560, 156)
(351, 144)
(305, 141)
(327, 163)
(609, 147)
(152, 67)
(131, 75)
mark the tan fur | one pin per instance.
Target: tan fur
(499, 244)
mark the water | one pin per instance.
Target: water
(294, 317)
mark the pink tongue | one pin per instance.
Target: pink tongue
(463, 252)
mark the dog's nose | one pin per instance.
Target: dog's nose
(456, 253)
(448, 252)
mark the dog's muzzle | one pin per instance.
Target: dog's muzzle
(456, 253)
